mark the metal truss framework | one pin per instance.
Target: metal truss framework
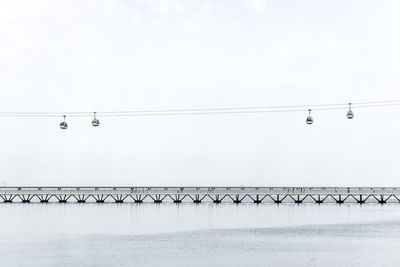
(201, 194)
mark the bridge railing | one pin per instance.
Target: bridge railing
(198, 190)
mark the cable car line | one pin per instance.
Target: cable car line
(184, 112)
(207, 111)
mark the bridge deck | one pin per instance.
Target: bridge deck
(199, 194)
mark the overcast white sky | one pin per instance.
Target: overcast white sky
(149, 54)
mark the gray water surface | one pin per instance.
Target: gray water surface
(199, 235)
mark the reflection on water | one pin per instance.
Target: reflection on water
(198, 235)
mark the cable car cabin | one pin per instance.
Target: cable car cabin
(95, 122)
(350, 115)
(63, 125)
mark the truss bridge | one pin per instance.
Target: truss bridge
(203, 194)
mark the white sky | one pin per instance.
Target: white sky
(148, 54)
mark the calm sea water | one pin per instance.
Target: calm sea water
(199, 235)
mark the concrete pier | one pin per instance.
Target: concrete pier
(237, 195)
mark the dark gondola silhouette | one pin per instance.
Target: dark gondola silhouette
(350, 114)
(95, 121)
(63, 124)
(309, 118)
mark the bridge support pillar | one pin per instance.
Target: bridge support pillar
(361, 201)
(257, 200)
(382, 200)
(340, 201)
(298, 201)
(237, 199)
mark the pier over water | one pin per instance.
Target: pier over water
(237, 195)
